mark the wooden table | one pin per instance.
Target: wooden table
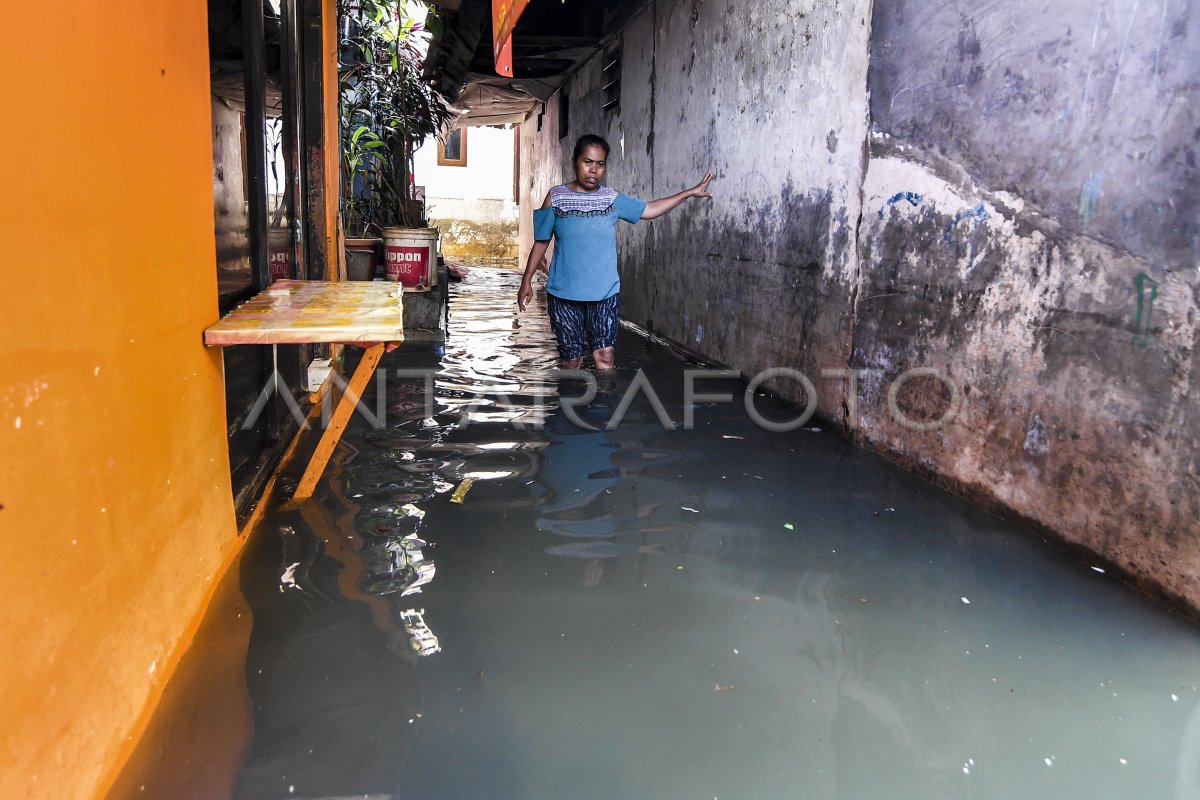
(366, 313)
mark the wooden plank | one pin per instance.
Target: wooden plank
(319, 192)
(337, 423)
(309, 312)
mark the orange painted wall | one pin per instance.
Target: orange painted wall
(114, 477)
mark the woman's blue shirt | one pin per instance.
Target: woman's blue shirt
(583, 225)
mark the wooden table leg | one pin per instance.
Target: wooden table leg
(337, 423)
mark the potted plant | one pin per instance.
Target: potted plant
(387, 110)
(364, 252)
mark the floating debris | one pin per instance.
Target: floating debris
(460, 493)
(789, 526)
(288, 580)
(687, 508)
(731, 436)
(420, 636)
(965, 601)
(723, 687)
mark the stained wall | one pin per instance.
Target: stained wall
(1003, 194)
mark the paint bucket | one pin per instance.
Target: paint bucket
(411, 257)
(279, 252)
(363, 258)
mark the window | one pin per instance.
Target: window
(453, 151)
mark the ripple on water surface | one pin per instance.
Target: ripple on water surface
(718, 612)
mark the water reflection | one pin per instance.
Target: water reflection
(639, 612)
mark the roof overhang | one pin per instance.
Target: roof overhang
(552, 39)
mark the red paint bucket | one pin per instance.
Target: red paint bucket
(411, 257)
(279, 253)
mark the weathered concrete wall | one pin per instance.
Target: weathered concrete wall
(467, 239)
(1047, 160)
(982, 189)
(712, 85)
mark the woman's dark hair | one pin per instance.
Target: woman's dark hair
(586, 141)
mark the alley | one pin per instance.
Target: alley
(894, 492)
(649, 613)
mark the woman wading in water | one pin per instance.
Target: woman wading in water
(583, 289)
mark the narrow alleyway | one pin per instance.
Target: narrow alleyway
(722, 612)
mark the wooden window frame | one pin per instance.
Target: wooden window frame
(453, 162)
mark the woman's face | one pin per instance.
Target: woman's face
(589, 168)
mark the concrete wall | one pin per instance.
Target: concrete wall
(983, 189)
(473, 205)
(1053, 149)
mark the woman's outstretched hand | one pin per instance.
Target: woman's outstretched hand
(701, 188)
(656, 208)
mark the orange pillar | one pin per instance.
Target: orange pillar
(115, 501)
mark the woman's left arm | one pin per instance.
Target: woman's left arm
(656, 208)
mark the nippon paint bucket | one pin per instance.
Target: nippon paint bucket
(411, 257)
(279, 252)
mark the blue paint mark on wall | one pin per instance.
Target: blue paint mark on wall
(912, 197)
(977, 215)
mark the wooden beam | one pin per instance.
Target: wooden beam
(293, 135)
(256, 140)
(337, 423)
(320, 183)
